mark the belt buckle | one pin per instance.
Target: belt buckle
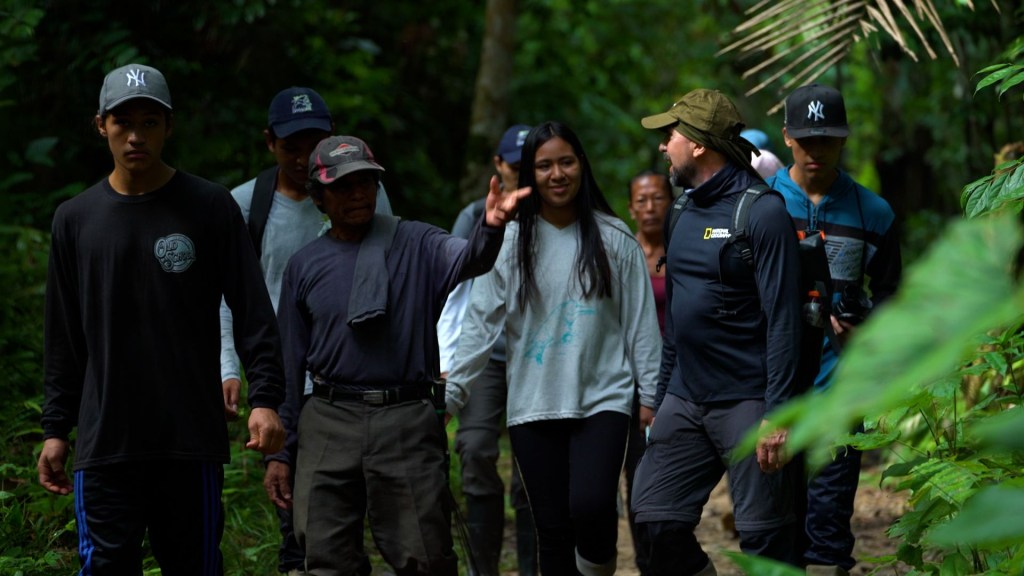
(374, 397)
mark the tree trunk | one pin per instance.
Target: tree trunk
(490, 101)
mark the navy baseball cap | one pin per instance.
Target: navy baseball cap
(510, 148)
(298, 108)
(816, 110)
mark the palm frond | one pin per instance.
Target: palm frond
(793, 42)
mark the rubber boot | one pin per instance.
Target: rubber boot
(485, 520)
(821, 570)
(588, 568)
(526, 542)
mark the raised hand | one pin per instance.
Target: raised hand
(501, 206)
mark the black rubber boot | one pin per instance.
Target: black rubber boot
(485, 519)
(526, 542)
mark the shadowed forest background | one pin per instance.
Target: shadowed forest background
(430, 86)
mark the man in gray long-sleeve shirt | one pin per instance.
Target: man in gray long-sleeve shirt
(357, 312)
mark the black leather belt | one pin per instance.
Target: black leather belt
(383, 397)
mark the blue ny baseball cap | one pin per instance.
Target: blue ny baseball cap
(295, 109)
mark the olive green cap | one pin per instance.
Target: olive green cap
(710, 119)
(706, 110)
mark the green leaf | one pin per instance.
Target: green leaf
(38, 151)
(951, 481)
(909, 554)
(1005, 430)
(955, 564)
(992, 68)
(996, 77)
(874, 440)
(991, 518)
(902, 468)
(762, 566)
(1010, 82)
(996, 361)
(921, 335)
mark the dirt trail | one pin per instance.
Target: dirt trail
(875, 510)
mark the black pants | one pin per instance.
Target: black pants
(178, 503)
(571, 472)
(290, 555)
(830, 496)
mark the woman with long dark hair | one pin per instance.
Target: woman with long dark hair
(570, 290)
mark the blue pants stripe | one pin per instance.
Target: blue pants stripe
(85, 544)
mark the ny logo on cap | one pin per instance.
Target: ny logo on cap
(301, 103)
(521, 137)
(136, 77)
(816, 111)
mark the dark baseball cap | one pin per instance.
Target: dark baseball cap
(706, 110)
(298, 108)
(337, 156)
(816, 110)
(130, 82)
(510, 148)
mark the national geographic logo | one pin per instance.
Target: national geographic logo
(712, 233)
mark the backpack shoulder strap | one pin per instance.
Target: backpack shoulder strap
(259, 209)
(741, 221)
(677, 208)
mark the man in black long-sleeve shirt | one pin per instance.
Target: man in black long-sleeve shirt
(138, 264)
(730, 347)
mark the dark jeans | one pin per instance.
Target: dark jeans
(571, 472)
(830, 496)
(177, 503)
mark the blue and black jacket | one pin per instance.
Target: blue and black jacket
(860, 239)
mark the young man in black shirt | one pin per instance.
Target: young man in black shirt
(138, 265)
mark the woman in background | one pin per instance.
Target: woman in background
(650, 195)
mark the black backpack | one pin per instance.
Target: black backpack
(814, 275)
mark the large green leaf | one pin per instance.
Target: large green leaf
(960, 289)
(991, 518)
(1004, 430)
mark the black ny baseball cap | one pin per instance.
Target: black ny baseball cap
(816, 110)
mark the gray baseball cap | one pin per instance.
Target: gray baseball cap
(337, 156)
(133, 81)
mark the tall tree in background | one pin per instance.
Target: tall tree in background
(489, 116)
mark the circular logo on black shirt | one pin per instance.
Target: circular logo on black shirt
(175, 252)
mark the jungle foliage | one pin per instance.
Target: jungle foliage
(936, 372)
(937, 377)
